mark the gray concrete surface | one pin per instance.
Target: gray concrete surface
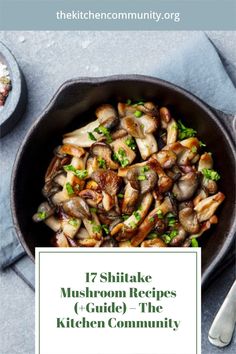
(48, 59)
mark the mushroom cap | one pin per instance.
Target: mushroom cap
(76, 207)
(93, 197)
(107, 181)
(156, 242)
(107, 116)
(149, 179)
(166, 158)
(189, 221)
(133, 127)
(178, 240)
(130, 199)
(186, 186)
(104, 151)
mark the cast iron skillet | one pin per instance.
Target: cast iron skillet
(73, 106)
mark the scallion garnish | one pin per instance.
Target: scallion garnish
(138, 114)
(184, 132)
(69, 188)
(210, 174)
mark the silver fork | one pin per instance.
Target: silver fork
(222, 328)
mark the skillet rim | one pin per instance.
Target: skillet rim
(115, 78)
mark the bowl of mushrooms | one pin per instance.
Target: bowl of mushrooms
(126, 161)
(13, 91)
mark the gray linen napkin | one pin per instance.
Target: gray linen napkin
(197, 67)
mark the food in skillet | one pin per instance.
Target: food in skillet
(133, 177)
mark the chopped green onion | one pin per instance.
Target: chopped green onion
(141, 177)
(138, 114)
(120, 195)
(144, 169)
(151, 236)
(124, 162)
(168, 237)
(201, 144)
(125, 217)
(81, 174)
(91, 136)
(105, 228)
(194, 149)
(171, 222)
(130, 142)
(194, 242)
(97, 228)
(210, 174)
(68, 168)
(73, 222)
(116, 157)
(101, 162)
(137, 215)
(173, 233)
(139, 103)
(121, 152)
(42, 215)
(103, 130)
(160, 214)
(171, 219)
(69, 188)
(170, 215)
(151, 219)
(132, 224)
(121, 157)
(128, 102)
(184, 132)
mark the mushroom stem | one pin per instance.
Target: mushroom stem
(147, 146)
(127, 228)
(69, 228)
(172, 132)
(130, 199)
(60, 179)
(207, 207)
(189, 221)
(205, 161)
(81, 137)
(53, 223)
(165, 117)
(150, 221)
(121, 145)
(164, 181)
(93, 227)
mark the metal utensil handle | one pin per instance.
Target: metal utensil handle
(222, 328)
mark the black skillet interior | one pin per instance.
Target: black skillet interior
(73, 107)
